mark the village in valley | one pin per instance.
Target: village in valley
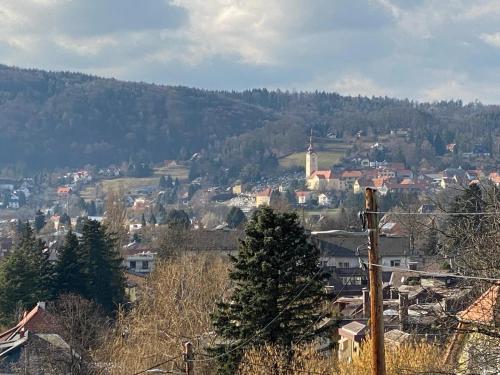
(419, 287)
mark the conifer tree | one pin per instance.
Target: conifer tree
(103, 266)
(162, 183)
(143, 221)
(26, 276)
(39, 220)
(235, 217)
(277, 287)
(69, 269)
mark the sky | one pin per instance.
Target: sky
(416, 49)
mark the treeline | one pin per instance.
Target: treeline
(90, 267)
(79, 119)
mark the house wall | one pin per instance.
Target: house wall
(262, 201)
(354, 261)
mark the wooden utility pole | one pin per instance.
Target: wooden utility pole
(188, 358)
(376, 298)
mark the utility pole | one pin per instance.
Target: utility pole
(188, 358)
(376, 298)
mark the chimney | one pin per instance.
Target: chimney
(366, 303)
(403, 311)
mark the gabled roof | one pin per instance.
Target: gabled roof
(351, 174)
(38, 320)
(485, 309)
(325, 174)
(338, 246)
(354, 330)
(303, 193)
(264, 193)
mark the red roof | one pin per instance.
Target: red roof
(495, 177)
(351, 174)
(63, 190)
(484, 310)
(303, 193)
(264, 193)
(323, 174)
(38, 320)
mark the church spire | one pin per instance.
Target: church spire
(311, 148)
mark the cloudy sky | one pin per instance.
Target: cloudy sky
(424, 50)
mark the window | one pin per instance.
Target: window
(323, 263)
(132, 264)
(343, 264)
(395, 263)
(145, 265)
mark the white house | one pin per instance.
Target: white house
(142, 262)
(303, 197)
(323, 200)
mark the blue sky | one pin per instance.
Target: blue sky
(423, 50)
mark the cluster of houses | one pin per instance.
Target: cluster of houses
(386, 177)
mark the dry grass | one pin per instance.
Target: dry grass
(420, 358)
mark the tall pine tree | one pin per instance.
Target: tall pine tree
(26, 276)
(103, 266)
(70, 268)
(278, 287)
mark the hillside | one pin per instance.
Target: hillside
(59, 119)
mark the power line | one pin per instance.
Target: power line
(263, 328)
(156, 365)
(438, 274)
(492, 213)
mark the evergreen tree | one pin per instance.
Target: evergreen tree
(143, 221)
(39, 220)
(91, 209)
(69, 268)
(235, 217)
(169, 182)
(162, 184)
(161, 214)
(178, 219)
(80, 220)
(278, 287)
(26, 276)
(102, 266)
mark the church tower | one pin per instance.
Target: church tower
(311, 159)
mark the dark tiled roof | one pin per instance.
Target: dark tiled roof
(346, 247)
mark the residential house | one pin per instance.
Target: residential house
(303, 197)
(140, 203)
(323, 200)
(342, 257)
(39, 330)
(494, 177)
(352, 336)
(143, 262)
(64, 191)
(350, 177)
(472, 350)
(237, 189)
(263, 198)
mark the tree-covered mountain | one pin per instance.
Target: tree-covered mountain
(59, 119)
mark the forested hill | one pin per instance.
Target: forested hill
(58, 119)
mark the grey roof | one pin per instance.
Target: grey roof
(346, 247)
(355, 328)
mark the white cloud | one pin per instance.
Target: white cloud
(491, 39)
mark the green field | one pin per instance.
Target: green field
(130, 183)
(329, 153)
